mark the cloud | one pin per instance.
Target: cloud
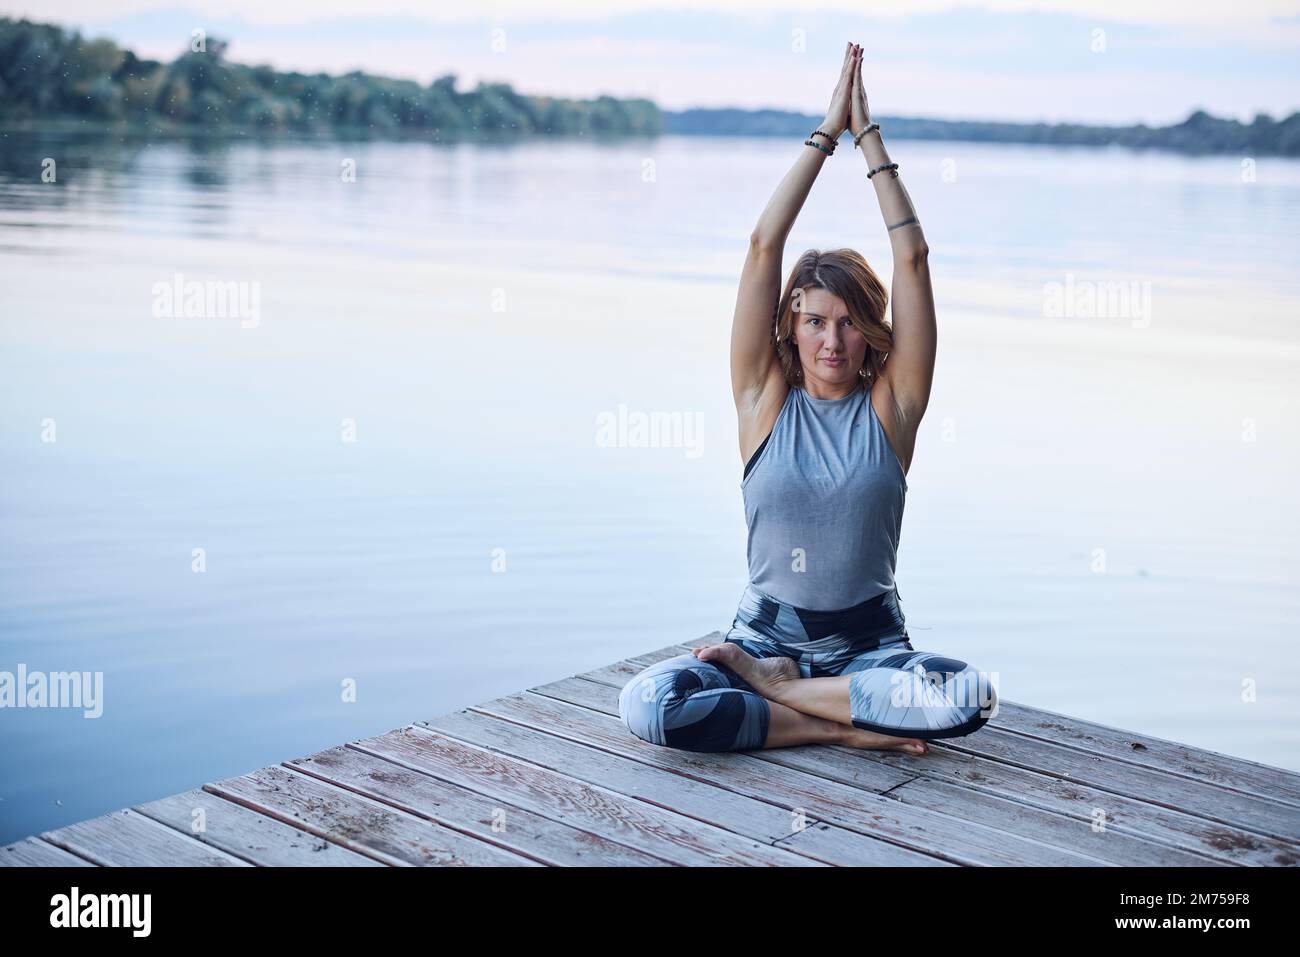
(288, 12)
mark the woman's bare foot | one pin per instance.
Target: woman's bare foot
(871, 741)
(772, 677)
(767, 676)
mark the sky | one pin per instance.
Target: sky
(1089, 61)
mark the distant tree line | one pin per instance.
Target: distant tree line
(1199, 133)
(49, 73)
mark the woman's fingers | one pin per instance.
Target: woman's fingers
(846, 70)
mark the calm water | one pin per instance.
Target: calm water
(1102, 506)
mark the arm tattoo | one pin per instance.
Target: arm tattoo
(906, 222)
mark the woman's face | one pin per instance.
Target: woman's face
(822, 332)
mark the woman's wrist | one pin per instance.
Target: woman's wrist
(832, 128)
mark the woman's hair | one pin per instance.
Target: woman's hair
(846, 274)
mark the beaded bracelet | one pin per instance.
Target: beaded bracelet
(820, 132)
(858, 139)
(892, 167)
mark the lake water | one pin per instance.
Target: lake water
(395, 474)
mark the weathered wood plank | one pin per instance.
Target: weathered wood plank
(1114, 846)
(865, 811)
(247, 834)
(488, 819)
(1118, 813)
(734, 811)
(127, 839)
(357, 823)
(655, 830)
(1223, 770)
(34, 852)
(1230, 808)
(1170, 827)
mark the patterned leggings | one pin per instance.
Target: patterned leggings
(695, 705)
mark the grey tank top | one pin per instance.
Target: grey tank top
(824, 499)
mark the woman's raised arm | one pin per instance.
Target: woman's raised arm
(760, 281)
(909, 370)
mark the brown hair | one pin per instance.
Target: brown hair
(846, 274)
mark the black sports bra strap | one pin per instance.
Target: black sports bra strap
(753, 458)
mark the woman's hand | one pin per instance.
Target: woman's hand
(837, 117)
(860, 113)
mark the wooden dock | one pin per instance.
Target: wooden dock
(550, 776)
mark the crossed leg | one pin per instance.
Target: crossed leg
(893, 692)
(803, 710)
(789, 727)
(700, 705)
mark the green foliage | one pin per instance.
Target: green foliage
(48, 73)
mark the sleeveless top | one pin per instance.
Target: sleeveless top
(824, 498)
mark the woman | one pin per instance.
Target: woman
(818, 651)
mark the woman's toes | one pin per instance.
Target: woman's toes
(912, 747)
(857, 738)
